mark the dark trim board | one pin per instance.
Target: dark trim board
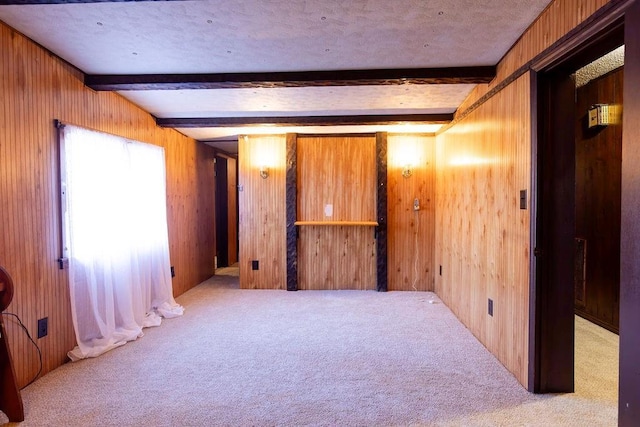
(378, 77)
(292, 211)
(382, 265)
(629, 399)
(534, 337)
(374, 120)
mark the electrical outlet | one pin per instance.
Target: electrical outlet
(43, 327)
(416, 204)
(490, 307)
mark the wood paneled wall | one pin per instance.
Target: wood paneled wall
(35, 89)
(482, 235)
(262, 207)
(336, 257)
(560, 17)
(190, 207)
(339, 171)
(411, 241)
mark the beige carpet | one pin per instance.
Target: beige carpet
(232, 270)
(596, 359)
(322, 358)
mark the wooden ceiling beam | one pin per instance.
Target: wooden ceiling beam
(400, 76)
(377, 120)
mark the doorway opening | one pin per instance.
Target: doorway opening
(598, 189)
(226, 179)
(599, 88)
(578, 210)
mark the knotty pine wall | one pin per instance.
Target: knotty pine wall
(339, 171)
(482, 235)
(262, 215)
(336, 258)
(35, 89)
(411, 234)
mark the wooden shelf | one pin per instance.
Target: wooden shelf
(339, 223)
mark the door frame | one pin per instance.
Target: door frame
(551, 321)
(629, 398)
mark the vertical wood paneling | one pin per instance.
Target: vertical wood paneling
(190, 210)
(334, 257)
(262, 215)
(411, 233)
(37, 88)
(337, 170)
(482, 236)
(340, 171)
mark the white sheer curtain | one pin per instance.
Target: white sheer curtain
(116, 237)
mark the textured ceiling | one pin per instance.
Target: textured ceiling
(166, 37)
(600, 67)
(304, 101)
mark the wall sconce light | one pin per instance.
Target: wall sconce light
(264, 172)
(406, 172)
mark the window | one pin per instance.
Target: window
(115, 237)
